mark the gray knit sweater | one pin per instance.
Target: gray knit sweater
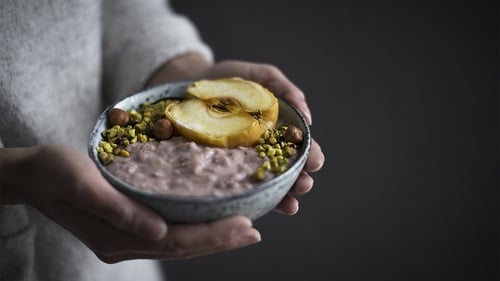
(61, 63)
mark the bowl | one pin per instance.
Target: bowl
(254, 203)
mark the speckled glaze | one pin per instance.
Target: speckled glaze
(189, 209)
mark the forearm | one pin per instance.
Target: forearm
(15, 175)
(184, 67)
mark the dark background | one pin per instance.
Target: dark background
(404, 96)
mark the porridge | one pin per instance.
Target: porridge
(208, 146)
(181, 167)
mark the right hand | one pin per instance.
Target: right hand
(65, 185)
(195, 66)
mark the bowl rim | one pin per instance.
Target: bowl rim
(143, 96)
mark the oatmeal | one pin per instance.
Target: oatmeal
(181, 167)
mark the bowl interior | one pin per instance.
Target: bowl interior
(287, 113)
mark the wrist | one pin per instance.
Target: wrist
(184, 67)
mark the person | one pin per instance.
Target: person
(62, 62)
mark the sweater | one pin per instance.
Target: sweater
(61, 63)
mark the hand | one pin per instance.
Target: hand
(193, 67)
(272, 78)
(65, 185)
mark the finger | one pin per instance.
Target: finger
(96, 196)
(267, 75)
(303, 184)
(130, 256)
(186, 241)
(99, 235)
(278, 83)
(287, 206)
(190, 240)
(316, 158)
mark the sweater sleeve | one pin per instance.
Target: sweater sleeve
(138, 37)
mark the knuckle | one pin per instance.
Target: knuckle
(271, 70)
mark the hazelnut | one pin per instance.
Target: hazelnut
(118, 117)
(163, 129)
(293, 134)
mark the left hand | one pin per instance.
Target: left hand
(194, 67)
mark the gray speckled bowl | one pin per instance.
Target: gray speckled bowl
(187, 209)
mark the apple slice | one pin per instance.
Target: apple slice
(225, 112)
(250, 95)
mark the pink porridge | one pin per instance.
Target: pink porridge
(180, 167)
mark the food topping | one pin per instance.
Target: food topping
(140, 127)
(162, 129)
(293, 134)
(276, 152)
(225, 112)
(118, 117)
(225, 133)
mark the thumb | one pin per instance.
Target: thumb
(104, 201)
(137, 219)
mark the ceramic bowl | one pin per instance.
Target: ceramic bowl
(189, 209)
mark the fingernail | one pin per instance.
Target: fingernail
(250, 237)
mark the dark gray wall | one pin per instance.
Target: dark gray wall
(404, 97)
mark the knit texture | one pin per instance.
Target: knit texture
(61, 63)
